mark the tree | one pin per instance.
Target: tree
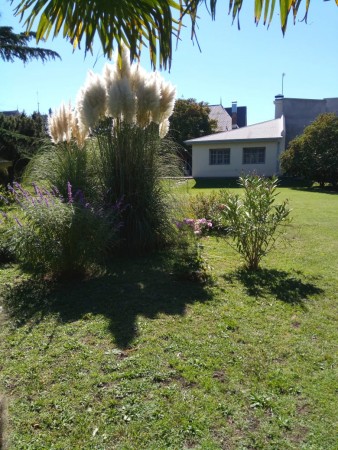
(190, 120)
(134, 22)
(13, 45)
(314, 154)
(20, 138)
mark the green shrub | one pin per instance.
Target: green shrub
(58, 164)
(6, 197)
(254, 219)
(57, 236)
(189, 262)
(6, 200)
(210, 207)
(6, 254)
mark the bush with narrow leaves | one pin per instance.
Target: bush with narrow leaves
(254, 220)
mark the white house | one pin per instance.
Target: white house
(255, 148)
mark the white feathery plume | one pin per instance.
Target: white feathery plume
(114, 101)
(59, 124)
(108, 75)
(148, 94)
(121, 100)
(164, 128)
(167, 101)
(78, 133)
(52, 129)
(122, 63)
(91, 101)
(137, 75)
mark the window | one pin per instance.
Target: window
(254, 155)
(219, 156)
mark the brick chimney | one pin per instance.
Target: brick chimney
(234, 115)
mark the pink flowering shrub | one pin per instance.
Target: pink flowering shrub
(197, 226)
(210, 206)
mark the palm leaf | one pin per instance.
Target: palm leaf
(136, 23)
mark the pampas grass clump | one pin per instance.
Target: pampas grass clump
(118, 123)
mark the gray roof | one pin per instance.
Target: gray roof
(223, 119)
(272, 129)
(10, 113)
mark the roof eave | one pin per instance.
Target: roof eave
(224, 141)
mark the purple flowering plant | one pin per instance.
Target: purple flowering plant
(52, 234)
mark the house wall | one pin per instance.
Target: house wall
(299, 113)
(201, 167)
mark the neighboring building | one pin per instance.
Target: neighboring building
(223, 119)
(300, 112)
(241, 114)
(10, 113)
(228, 118)
(255, 148)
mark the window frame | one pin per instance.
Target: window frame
(255, 157)
(219, 156)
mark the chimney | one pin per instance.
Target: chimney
(234, 115)
(278, 105)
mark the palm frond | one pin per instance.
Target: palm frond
(135, 23)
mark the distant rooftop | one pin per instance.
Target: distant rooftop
(10, 113)
(223, 119)
(241, 115)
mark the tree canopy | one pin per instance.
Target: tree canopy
(135, 23)
(190, 119)
(13, 45)
(21, 137)
(314, 154)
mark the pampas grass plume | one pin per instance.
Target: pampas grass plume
(59, 124)
(164, 128)
(167, 101)
(148, 98)
(91, 101)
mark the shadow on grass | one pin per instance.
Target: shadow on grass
(283, 182)
(279, 284)
(216, 183)
(130, 288)
(317, 190)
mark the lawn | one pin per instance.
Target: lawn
(138, 359)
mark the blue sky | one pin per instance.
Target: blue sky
(243, 65)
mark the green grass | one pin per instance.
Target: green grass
(136, 359)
